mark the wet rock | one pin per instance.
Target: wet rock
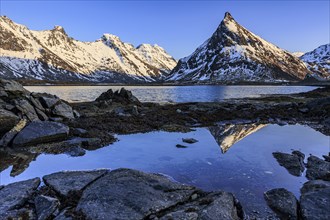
(189, 140)
(7, 121)
(13, 196)
(294, 163)
(46, 207)
(41, 132)
(317, 169)
(8, 137)
(130, 194)
(75, 151)
(63, 110)
(283, 203)
(181, 146)
(314, 185)
(66, 182)
(315, 200)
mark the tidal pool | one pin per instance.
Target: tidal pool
(234, 158)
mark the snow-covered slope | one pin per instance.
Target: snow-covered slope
(318, 61)
(235, 54)
(298, 54)
(53, 55)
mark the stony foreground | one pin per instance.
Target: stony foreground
(119, 194)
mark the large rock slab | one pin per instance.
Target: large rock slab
(293, 163)
(41, 132)
(213, 206)
(14, 195)
(7, 121)
(26, 109)
(130, 194)
(283, 203)
(315, 200)
(317, 169)
(10, 86)
(65, 182)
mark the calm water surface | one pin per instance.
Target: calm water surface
(207, 93)
(247, 169)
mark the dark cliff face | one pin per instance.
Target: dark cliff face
(234, 53)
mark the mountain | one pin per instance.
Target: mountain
(318, 61)
(298, 54)
(53, 55)
(227, 135)
(233, 53)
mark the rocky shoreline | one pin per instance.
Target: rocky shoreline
(34, 123)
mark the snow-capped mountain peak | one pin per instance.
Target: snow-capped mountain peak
(233, 53)
(41, 54)
(318, 61)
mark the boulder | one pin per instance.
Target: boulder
(46, 207)
(26, 109)
(47, 100)
(41, 132)
(12, 87)
(131, 194)
(65, 182)
(123, 96)
(315, 200)
(105, 96)
(13, 196)
(317, 169)
(294, 163)
(283, 203)
(7, 121)
(8, 137)
(63, 110)
(189, 140)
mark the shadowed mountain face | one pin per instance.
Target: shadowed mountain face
(233, 53)
(53, 55)
(227, 135)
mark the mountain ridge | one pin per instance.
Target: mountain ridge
(54, 51)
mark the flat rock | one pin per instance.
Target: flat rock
(314, 185)
(213, 206)
(63, 110)
(282, 202)
(293, 163)
(317, 169)
(14, 195)
(7, 120)
(189, 140)
(130, 194)
(315, 203)
(41, 132)
(46, 207)
(64, 182)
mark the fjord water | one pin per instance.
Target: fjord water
(247, 167)
(201, 93)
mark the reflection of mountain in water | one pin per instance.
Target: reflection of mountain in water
(227, 135)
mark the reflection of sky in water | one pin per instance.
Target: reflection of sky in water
(169, 93)
(247, 169)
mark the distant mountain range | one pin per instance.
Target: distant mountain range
(232, 54)
(53, 55)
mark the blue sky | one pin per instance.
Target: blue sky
(178, 26)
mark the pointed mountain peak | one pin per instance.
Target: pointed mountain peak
(228, 16)
(58, 28)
